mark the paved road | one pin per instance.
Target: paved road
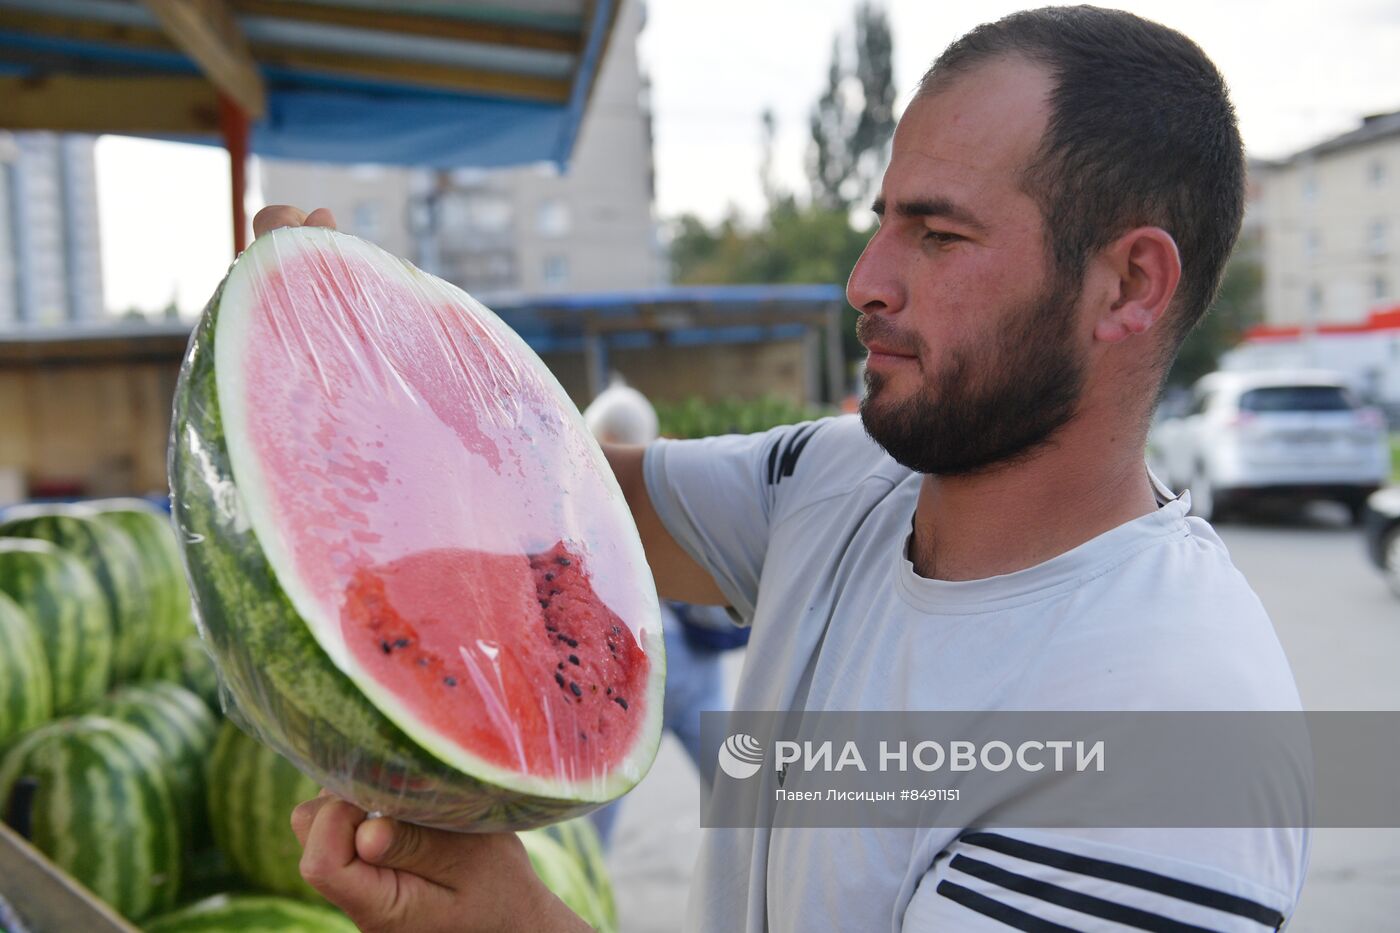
(1341, 629)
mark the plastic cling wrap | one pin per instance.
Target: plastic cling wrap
(415, 571)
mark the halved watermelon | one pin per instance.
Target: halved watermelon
(418, 577)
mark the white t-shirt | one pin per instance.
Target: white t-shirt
(805, 528)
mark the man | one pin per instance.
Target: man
(1062, 196)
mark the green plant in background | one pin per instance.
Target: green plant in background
(1395, 458)
(698, 417)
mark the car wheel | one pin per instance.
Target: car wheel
(1390, 554)
(1203, 499)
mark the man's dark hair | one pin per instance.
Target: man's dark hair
(1141, 133)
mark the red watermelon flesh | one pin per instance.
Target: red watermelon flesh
(438, 516)
(404, 624)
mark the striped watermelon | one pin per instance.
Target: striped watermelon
(92, 795)
(252, 792)
(26, 695)
(566, 875)
(185, 730)
(416, 573)
(580, 840)
(153, 534)
(246, 913)
(113, 559)
(65, 602)
(188, 664)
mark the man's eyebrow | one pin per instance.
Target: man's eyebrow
(931, 207)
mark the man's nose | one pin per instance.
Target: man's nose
(874, 286)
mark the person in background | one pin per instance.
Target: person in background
(694, 635)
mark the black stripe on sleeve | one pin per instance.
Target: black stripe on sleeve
(980, 903)
(773, 458)
(1128, 875)
(1072, 900)
(782, 458)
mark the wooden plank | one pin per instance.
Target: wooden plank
(45, 897)
(418, 74)
(413, 24)
(208, 33)
(76, 104)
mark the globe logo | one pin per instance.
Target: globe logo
(740, 756)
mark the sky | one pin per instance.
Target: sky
(1298, 72)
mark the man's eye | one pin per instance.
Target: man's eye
(940, 238)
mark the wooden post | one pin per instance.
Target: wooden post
(233, 122)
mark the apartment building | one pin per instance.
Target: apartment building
(530, 230)
(1329, 217)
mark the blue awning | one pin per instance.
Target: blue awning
(444, 84)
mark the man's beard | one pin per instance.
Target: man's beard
(989, 405)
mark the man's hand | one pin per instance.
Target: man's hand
(284, 215)
(389, 876)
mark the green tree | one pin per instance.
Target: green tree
(1239, 306)
(853, 120)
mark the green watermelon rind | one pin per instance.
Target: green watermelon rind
(26, 691)
(184, 729)
(251, 793)
(154, 536)
(66, 603)
(114, 560)
(564, 875)
(287, 690)
(224, 913)
(102, 810)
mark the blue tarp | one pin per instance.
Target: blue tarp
(324, 117)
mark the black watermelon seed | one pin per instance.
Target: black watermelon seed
(574, 687)
(544, 604)
(555, 592)
(572, 642)
(549, 576)
(583, 737)
(573, 659)
(385, 647)
(616, 630)
(450, 681)
(559, 678)
(620, 702)
(562, 561)
(422, 662)
(610, 691)
(560, 665)
(401, 643)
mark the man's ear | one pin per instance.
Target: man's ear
(1145, 266)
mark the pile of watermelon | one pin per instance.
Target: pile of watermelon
(117, 762)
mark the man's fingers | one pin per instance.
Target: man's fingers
(431, 854)
(329, 863)
(320, 217)
(305, 813)
(276, 215)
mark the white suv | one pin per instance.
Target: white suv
(1284, 434)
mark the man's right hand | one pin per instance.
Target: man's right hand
(284, 215)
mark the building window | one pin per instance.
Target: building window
(1376, 237)
(1376, 173)
(1380, 289)
(1314, 302)
(365, 219)
(476, 212)
(552, 219)
(1312, 244)
(556, 271)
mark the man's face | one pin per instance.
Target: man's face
(975, 353)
